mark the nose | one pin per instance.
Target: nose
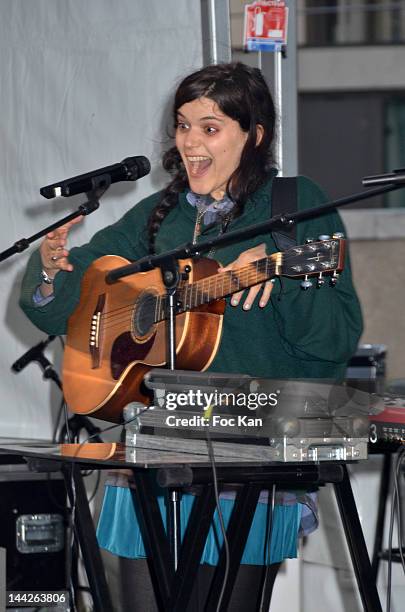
(191, 139)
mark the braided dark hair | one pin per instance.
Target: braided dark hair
(242, 94)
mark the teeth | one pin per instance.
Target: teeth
(197, 158)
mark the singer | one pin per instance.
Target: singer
(222, 174)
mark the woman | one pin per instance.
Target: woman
(222, 175)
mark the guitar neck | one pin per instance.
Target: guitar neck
(310, 259)
(222, 284)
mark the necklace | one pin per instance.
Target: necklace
(225, 219)
(198, 221)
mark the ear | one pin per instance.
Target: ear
(259, 133)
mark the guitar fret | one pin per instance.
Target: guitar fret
(180, 299)
(218, 286)
(206, 292)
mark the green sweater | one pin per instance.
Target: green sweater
(300, 334)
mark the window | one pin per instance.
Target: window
(395, 144)
(346, 136)
(343, 22)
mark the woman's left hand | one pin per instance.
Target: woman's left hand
(257, 252)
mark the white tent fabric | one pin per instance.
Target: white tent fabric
(83, 85)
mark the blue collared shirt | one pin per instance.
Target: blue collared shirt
(213, 208)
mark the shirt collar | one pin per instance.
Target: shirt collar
(213, 208)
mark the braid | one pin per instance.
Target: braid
(173, 164)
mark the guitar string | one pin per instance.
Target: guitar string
(198, 289)
(243, 276)
(212, 278)
(112, 318)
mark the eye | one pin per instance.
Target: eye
(181, 126)
(210, 129)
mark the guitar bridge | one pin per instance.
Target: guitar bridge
(95, 331)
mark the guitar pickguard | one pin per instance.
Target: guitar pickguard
(125, 351)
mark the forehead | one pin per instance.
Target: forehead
(202, 108)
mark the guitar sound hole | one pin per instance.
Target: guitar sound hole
(144, 314)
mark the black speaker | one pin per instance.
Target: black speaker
(33, 529)
(366, 369)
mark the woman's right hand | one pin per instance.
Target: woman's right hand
(53, 250)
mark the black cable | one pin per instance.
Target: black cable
(111, 427)
(220, 517)
(73, 596)
(68, 434)
(93, 495)
(389, 561)
(58, 419)
(267, 545)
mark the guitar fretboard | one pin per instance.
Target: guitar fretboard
(217, 286)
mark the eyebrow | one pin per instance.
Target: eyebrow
(207, 118)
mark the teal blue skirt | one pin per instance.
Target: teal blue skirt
(119, 532)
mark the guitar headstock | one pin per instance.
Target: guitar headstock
(314, 258)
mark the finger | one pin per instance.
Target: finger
(61, 262)
(76, 220)
(236, 298)
(56, 260)
(51, 246)
(268, 288)
(251, 296)
(226, 268)
(51, 252)
(59, 233)
(64, 264)
(64, 229)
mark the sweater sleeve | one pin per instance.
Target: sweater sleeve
(126, 238)
(320, 324)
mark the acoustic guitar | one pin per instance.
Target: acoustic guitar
(117, 332)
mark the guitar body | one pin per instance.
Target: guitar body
(112, 339)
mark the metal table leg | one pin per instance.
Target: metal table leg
(87, 539)
(357, 545)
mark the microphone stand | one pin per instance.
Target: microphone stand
(103, 182)
(277, 222)
(76, 422)
(168, 264)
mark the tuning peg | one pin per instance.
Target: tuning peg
(321, 281)
(334, 279)
(338, 235)
(323, 237)
(306, 284)
(309, 240)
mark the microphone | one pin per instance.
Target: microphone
(130, 169)
(396, 177)
(33, 354)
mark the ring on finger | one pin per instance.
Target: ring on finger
(54, 258)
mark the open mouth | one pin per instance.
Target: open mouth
(198, 165)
